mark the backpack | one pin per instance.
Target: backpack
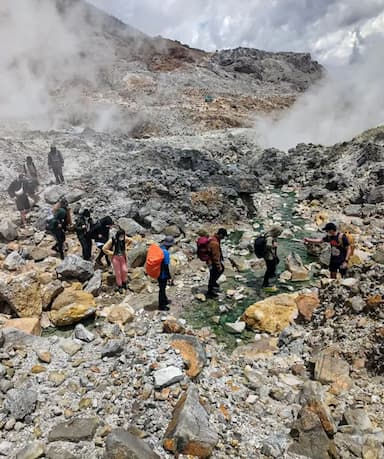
(260, 246)
(351, 240)
(155, 258)
(203, 251)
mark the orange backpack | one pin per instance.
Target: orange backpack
(155, 257)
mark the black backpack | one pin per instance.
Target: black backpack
(260, 246)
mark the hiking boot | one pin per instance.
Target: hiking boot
(169, 301)
(163, 308)
(124, 286)
(212, 295)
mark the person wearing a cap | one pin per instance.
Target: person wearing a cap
(165, 275)
(215, 262)
(340, 249)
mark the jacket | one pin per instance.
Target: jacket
(55, 159)
(216, 254)
(100, 230)
(83, 226)
(58, 221)
(109, 247)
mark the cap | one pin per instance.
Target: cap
(330, 227)
(222, 232)
(169, 241)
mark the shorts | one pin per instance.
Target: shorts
(335, 267)
(22, 203)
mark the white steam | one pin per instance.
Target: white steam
(346, 102)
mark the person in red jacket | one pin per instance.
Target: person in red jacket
(215, 262)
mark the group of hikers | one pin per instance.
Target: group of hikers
(114, 249)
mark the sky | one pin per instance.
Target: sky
(332, 30)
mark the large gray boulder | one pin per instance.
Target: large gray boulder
(137, 256)
(130, 226)
(121, 444)
(14, 261)
(8, 231)
(20, 402)
(189, 431)
(95, 283)
(53, 193)
(376, 195)
(74, 430)
(74, 267)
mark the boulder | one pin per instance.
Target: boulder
(52, 194)
(173, 326)
(379, 255)
(112, 348)
(95, 283)
(14, 261)
(131, 227)
(74, 195)
(83, 334)
(167, 376)
(189, 432)
(8, 231)
(74, 430)
(259, 349)
(33, 450)
(74, 267)
(121, 314)
(72, 306)
(239, 263)
(358, 419)
(192, 351)
(376, 195)
(273, 314)
(330, 368)
(121, 444)
(50, 292)
(296, 267)
(235, 327)
(38, 254)
(22, 293)
(137, 256)
(31, 326)
(307, 303)
(20, 402)
(172, 230)
(59, 452)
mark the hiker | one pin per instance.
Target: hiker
(341, 249)
(270, 254)
(56, 163)
(56, 227)
(165, 275)
(18, 190)
(62, 203)
(215, 262)
(83, 227)
(116, 248)
(100, 234)
(30, 172)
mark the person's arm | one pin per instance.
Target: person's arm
(309, 240)
(128, 243)
(347, 245)
(107, 248)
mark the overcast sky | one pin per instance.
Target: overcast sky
(330, 29)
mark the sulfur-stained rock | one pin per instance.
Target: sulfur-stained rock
(307, 304)
(22, 293)
(72, 306)
(50, 292)
(256, 350)
(121, 314)
(273, 314)
(173, 326)
(31, 326)
(329, 368)
(189, 432)
(192, 352)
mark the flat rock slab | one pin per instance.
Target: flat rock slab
(329, 368)
(167, 376)
(31, 451)
(75, 430)
(192, 352)
(121, 444)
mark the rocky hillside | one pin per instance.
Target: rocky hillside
(109, 76)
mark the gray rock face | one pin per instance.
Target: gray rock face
(95, 283)
(14, 261)
(167, 376)
(130, 226)
(32, 451)
(20, 402)
(8, 231)
(74, 267)
(75, 430)
(83, 334)
(376, 196)
(189, 431)
(121, 444)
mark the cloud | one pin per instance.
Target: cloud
(326, 28)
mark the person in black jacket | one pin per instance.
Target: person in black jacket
(83, 227)
(56, 163)
(56, 227)
(18, 190)
(100, 234)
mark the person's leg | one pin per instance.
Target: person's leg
(99, 257)
(23, 217)
(270, 271)
(61, 176)
(116, 262)
(162, 294)
(124, 271)
(60, 243)
(214, 275)
(57, 176)
(87, 248)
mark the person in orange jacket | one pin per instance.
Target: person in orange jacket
(215, 262)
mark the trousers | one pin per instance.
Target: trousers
(120, 267)
(86, 245)
(271, 270)
(58, 171)
(163, 300)
(214, 275)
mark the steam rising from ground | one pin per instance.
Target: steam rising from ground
(348, 101)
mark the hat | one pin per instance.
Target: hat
(169, 241)
(276, 230)
(222, 232)
(330, 227)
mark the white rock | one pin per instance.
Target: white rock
(167, 376)
(235, 327)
